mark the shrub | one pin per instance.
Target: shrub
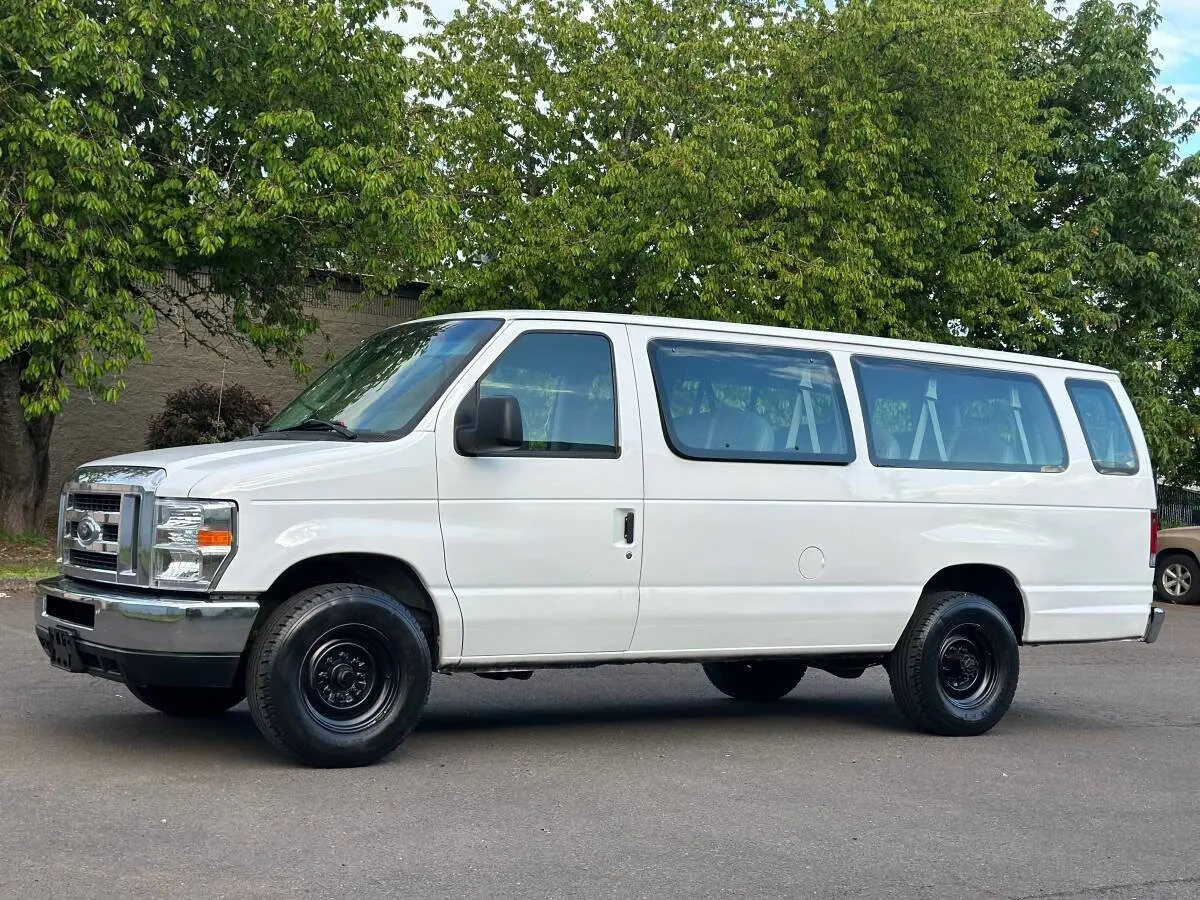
(204, 414)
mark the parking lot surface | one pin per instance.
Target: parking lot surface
(638, 781)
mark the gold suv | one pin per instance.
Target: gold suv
(1177, 572)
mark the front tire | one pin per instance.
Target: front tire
(955, 670)
(755, 680)
(339, 675)
(188, 702)
(1177, 578)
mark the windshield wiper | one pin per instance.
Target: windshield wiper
(321, 425)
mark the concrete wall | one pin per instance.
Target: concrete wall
(90, 428)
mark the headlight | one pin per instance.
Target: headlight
(192, 541)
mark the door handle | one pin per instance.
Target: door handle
(629, 528)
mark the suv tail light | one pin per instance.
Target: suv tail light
(1153, 536)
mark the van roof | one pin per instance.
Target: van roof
(849, 341)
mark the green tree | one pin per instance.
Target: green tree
(602, 157)
(844, 166)
(981, 172)
(916, 126)
(243, 142)
(1117, 210)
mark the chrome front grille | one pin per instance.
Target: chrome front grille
(105, 517)
(86, 559)
(95, 502)
(99, 532)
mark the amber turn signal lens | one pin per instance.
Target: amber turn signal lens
(210, 538)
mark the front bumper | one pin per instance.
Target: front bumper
(142, 638)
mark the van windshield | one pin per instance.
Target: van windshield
(386, 384)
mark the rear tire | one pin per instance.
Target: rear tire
(955, 669)
(339, 675)
(190, 702)
(755, 680)
(1177, 578)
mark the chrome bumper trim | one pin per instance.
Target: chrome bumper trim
(166, 623)
(1158, 615)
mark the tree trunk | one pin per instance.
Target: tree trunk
(24, 456)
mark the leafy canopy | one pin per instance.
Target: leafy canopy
(836, 167)
(1117, 210)
(982, 171)
(242, 143)
(978, 172)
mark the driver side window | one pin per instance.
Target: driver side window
(564, 385)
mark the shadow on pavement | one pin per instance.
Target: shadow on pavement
(234, 737)
(867, 714)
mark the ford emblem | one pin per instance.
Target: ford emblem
(87, 531)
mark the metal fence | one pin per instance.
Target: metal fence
(1178, 506)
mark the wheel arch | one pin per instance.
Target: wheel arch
(1164, 552)
(392, 575)
(996, 583)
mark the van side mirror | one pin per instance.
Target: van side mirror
(497, 426)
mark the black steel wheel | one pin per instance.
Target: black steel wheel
(757, 680)
(339, 675)
(955, 668)
(190, 702)
(967, 666)
(349, 678)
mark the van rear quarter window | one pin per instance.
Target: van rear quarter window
(928, 415)
(1104, 427)
(747, 403)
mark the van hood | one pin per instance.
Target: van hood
(186, 467)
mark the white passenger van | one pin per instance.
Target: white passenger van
(497, 493)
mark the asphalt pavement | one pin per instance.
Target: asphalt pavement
(637, 781)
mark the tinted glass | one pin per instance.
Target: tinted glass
(391, 379)
(1104, 426)
(764, 404)
(930, 416)
(563, 382)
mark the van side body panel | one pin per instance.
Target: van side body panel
(833, 558)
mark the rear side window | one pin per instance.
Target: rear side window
(1104, 426)
(924, 415)
(752, 404)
